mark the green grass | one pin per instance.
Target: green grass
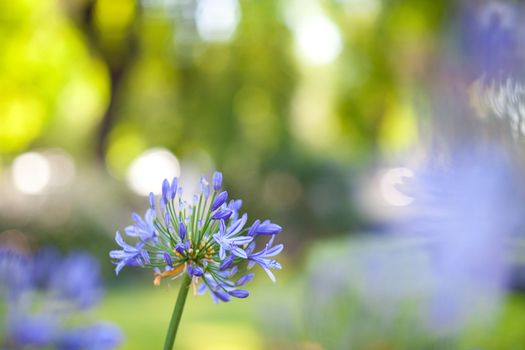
(142, 311)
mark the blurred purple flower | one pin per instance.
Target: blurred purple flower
(491, 36)
(62, 288)
(15, 273)
(45, 262)
(95, 337)
(443, 267)
(467, 211)
(77, 279)
(31, 330)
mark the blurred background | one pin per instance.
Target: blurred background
(316, 111)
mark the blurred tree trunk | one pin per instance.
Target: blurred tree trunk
(118, 55)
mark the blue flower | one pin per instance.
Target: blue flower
(143, 228)
(229, 241)
(207, 238)
(129, 255)
(262, 257)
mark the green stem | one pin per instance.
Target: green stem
(177, 312)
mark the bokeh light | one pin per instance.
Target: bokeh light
(31, 173)
(318, 40)
(390, 180)
(150, 168)
(217, 19)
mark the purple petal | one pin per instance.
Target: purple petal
(201, 289)
(269, 273)
(165, 190)
(222, 253)
(174, 184)
(237, 226)
(239, 293)
(205, 187)
(131, 231)
(221, 295)
(227, 263)
(223, 214)
(239, 252)
(197, 271)
(274, 250)
(180, 248)
(182, 231)
(253, 229)
(136, 217)
(217, 180)
(152, 200)
(221, 198)
(167, 219)
(232, 272)
(268, 228)
(245, 279)
(119, 267)
(241, 240)
(167, 258)
(250, 248)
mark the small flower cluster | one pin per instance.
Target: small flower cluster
(45, 294)
(206, 238)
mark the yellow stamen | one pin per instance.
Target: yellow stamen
(175, 271)
(156, 280)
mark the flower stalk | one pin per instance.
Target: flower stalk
(177, 312)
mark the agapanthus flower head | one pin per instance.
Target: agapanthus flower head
(207, 239)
